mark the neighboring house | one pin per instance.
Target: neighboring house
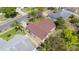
(61, 13)
(21, 43)
(18, 43)
(3, 45)
(42, 29)
(72, 9)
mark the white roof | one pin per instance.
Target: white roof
(18, 43)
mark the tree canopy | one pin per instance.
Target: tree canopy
(9, 12)
(52, 44)
(71, 39)
(75, 20)
(60, 23)
(40, 8)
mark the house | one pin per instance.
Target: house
(42, 29)
(61, 13)
(72, 9)
(20, 43)
(3, 45)
(17, 43)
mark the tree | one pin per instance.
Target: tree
(31, 20)
(40, 8)
(74, 39)
(71, 39)
(68, 45)
(72, 16)
(36, 13)
(68, 34)
(60, 23)
(54, 9)
(75, 21)
(52, 44)
(9, 12)
(32, 13)
(17, 26)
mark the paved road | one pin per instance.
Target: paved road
(5, 25)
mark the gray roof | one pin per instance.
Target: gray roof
(18, 43)
(61, 13)
(3, 44)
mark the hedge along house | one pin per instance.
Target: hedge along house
(42, 29)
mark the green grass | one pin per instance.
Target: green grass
(27, 9)
(10, 34)
(36, 20)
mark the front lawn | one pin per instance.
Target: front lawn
(7, 35)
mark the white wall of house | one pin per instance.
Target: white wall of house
(53, 29)
(48, 34)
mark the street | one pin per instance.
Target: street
(5, 25)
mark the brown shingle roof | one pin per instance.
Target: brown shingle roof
(42, 28)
